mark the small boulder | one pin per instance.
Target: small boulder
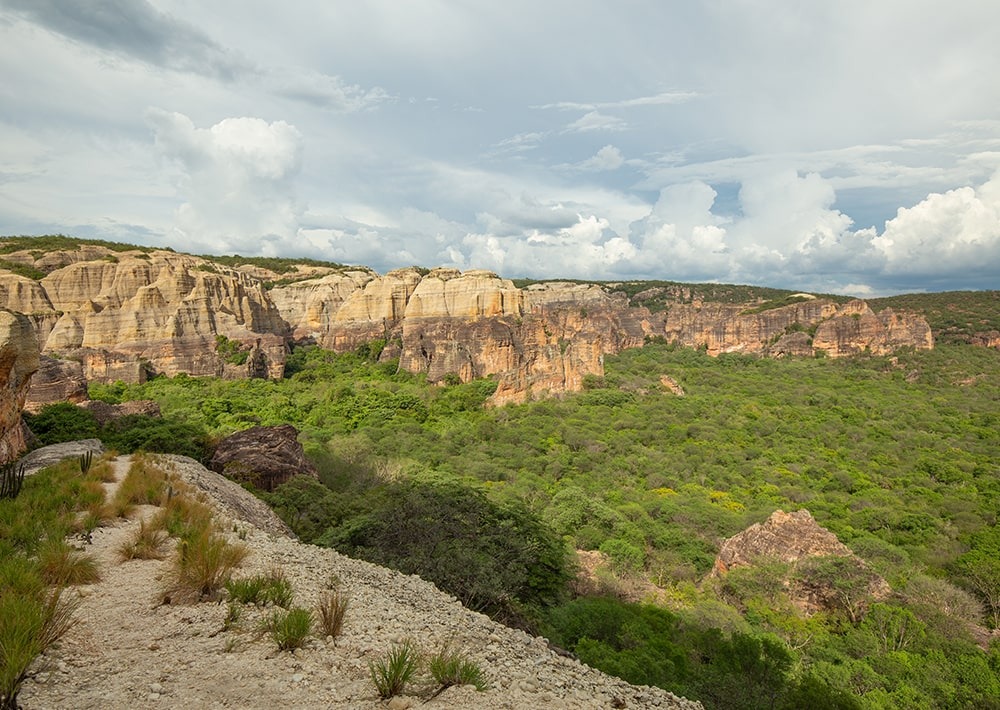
(265, 456)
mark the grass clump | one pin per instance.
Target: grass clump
(28, 626)
(145, 484)
(449, 667)
(261, 590)
(205, 562)
(61, 565)
(331, 609)
(290, 628)
(145, 543)
(391, 673)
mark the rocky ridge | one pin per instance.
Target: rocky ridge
(125, 314)
(128, 650)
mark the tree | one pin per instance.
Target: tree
(982, 571)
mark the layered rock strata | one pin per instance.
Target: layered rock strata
(123, 314)
(18, 361)
(126, 315)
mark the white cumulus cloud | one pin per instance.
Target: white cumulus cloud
(236, 178)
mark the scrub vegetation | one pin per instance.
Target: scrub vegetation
(897, 456)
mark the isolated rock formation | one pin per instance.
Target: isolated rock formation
(56, 381)
(265, 456)
(18, 361)
(104, 412)
(785, 537)
(796, 539)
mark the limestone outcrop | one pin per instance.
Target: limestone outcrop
(18, 361)
(265, 456)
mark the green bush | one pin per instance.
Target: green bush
(449, 668)
(60, 422)
(499, 559)
(263, 589)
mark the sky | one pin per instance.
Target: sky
(836, 147)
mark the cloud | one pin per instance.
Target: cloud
(596, 121)
(519, 143)
(607, 158)
(323, 90)
(136, 29)
(236, 179)
(661, 99)
(955, 233)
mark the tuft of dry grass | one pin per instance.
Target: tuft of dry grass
(145, 543)
(61, 565)
(145, 484)
(182, 515)
(331, 610)
(205, 562)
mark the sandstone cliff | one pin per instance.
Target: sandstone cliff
(18, 360)
(839, 329)
(126, 314)
(120, 313)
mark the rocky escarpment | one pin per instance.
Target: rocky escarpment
(126, 314)
(122, 314)
(809, 327)
(18, 360)
(127, 649)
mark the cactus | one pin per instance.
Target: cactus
(11, 479)
(85, 461)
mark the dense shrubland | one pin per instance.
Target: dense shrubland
(897, 456)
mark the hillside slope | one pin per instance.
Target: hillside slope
(130, 650)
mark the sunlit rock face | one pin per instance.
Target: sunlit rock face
(814, 326)
(18, 361)
(125, 314)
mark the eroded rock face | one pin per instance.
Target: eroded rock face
(840, 329)
(125, 312)
(56, 381)
(126, 315)
(18, 361)
(786, 537)
(266, 456)
(865, 331)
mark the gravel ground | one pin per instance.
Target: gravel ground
(129, 650)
